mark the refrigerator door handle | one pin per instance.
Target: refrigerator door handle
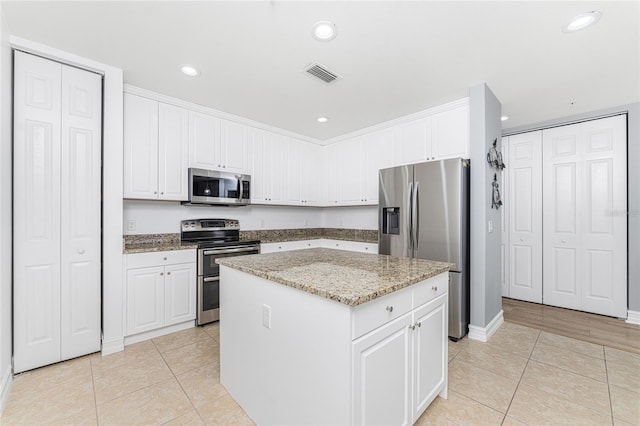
(410, 248)
(416, 205)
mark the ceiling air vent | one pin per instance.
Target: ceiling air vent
(318, 71)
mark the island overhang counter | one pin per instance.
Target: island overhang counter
(323, 336)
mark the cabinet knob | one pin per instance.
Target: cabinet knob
(412, 327)
(162, 193)
(434, 288)
(389, 308)
(366, 248)
(165, 258)
(161, 273)
(168, 273)
(563, 241)
(80, 251)
(521, 239)
(155, 192)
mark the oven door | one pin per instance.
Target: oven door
(207, 265)
(208, 299)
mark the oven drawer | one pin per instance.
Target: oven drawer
(160, 258)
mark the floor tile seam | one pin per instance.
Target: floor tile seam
(606, 370)
(572, 351)
(637, 392)
(504, 376)
(569, 371)
(458, 392)
(95, 399)
(520, 379)
(207, 336)
(99, 404)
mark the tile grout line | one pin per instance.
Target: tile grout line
(520, 380)
(178, 381)
(606, 371)
(93, 385)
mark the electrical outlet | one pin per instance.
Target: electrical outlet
(490, 225)
(131, 225)
(266, 316)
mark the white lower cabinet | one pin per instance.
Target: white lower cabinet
(400, 368)
(161, 289)
(325, 243)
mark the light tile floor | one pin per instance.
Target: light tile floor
(522, 376)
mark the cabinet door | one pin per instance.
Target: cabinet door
(293, 171)
(173, 152)
(379, 155)
(381, 368)
(140, 147)
(259, 179)
(180, 293)
(332, 193)
(145, 299)
(429, 353)
(204, 141)
(233, 146)
(413, 141)
(350, 162)
(275, 154)
(451, 134)
(312, 174)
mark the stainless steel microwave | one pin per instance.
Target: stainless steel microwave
(218, 188)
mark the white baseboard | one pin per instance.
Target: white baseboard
(112, 347)
(633, 317)
(5, 387)
(483, 334)
(128, 340)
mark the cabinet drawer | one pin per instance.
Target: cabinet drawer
(160, 258)
(430, 289)
(372, 315)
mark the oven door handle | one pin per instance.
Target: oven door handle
(228, 250)
(210, 279)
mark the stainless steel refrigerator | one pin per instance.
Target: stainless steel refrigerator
(424, 213)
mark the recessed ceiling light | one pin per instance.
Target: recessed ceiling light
(504, 118)
(322, 119)
(324, 31)
(582, 21)
(189, 70)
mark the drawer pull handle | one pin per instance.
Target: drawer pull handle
(389, 308)
(419, 324)
(434, 288)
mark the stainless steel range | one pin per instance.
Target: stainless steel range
(216, 238)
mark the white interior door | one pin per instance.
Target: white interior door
(524, 163)
(56, 217)
(504, 220)
(36, 218)
(80, 219)
(585, 231)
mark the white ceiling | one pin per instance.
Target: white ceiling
(395, 57)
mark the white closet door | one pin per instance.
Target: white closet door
(585, 232)
(504, 220)
(36, 219)
(524, 165)
(80, 219)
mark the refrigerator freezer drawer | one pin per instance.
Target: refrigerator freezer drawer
(458, 305)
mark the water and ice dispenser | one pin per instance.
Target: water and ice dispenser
(391, 220)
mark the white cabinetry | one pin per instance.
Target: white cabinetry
(56, 212)
(155, 149)
(161, 289)
(217, 144)
(312, 175)
(267, 174)
(400, 367)
(321, 242)
(232, 147)
(331, 190)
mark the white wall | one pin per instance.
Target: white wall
(5, 213)
(160, 217)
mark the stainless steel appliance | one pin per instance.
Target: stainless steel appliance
(218, 188)
(216, 238)
(424, 213)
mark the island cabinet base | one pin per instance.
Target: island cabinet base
(289, 357)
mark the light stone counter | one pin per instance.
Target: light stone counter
(346, 277)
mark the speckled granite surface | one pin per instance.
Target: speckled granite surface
(160, 242)
(153, 242)
(282, 235)
(346, 277)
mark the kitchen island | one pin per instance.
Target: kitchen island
(323, 336)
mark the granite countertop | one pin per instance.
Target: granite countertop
(346, 277)
(150, 247)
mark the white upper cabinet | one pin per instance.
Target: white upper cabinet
(312, 174)
(451, 134)
(267, 164)
(232, 147)
(293, 170)
(140, 147)
(155, 150)
(204, 135)
(331, 193)
(173, 152)
(378, 151)
(413, 141)
(350, 171)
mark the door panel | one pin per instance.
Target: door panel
(173, 152)
(524, 164)
(395, 189)
(80, 220)
(180, 293)
(585, 236)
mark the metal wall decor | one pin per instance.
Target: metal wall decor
(494, 158)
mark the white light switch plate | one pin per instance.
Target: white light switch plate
(490, 225)
(266, 316)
